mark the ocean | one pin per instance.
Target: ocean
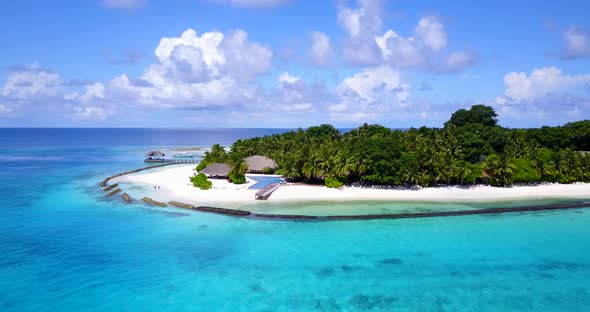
(64, 247)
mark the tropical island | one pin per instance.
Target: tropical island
(471, 158)
(471, 148)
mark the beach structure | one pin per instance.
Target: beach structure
(257, 163)
(154, 156)
(265, 193)
(216, 171)
(158, 157)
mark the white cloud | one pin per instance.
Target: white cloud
(286, 78)
(371, 83)
(90, 113)
(457, 61)
(5, 109)
(321, 50)
(366, 18)
(36, 90)
(367, 44)
(361, 24)
(432, 33)
(546, 96)
(541, 82)
(423, 49)
(214, 69)
(577, 43)
(93, 92)
(369, 94)
(293, 94)
(31, 81)
(123, 4)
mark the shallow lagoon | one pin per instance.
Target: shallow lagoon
(64, 247)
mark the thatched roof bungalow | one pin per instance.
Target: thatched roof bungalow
(217, 171)
(154, 156)
(257, 163)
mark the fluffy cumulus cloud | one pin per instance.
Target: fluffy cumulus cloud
(368, 44)
(292, 94)
(321, 51)
(424, 49)
(195, 71)
(210, 71)
(360, 25)
(577, 43)
(546, 94)
(31, 81)
(369, 94)
(542, 82)
(33, 89)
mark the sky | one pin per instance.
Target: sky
(291, 63)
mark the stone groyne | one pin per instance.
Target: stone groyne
(415, 215)
(113, 192)
(110, 187)
(126, 197)
(289, 217)
(153, 202)
(113, 189)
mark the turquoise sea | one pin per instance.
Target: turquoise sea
(63, 247)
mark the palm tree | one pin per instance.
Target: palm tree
(238, 165)
(411, 176)
(462, 169)
(500, 167)
(311, 168)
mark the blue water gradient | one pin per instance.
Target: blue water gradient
(63, 247)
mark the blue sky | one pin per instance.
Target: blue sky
(290, 63)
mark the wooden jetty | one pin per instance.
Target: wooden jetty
(265, 193)
(158, 157)
(174, 161)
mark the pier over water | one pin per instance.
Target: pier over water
(159, 157)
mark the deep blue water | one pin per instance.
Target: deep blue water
(63, 247)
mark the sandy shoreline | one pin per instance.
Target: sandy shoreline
(175, 185)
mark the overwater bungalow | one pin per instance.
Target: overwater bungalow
(154, 156)
(217, 171)
(258, 164)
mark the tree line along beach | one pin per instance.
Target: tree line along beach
(471, 159)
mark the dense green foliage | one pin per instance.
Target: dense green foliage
(471, 142)
(477, 114)
(333, 182)
(217, 154)
(200, 181)
(238, 168)
(237, 179)
(267, 170)
(235, 160)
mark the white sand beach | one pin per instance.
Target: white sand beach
(175, 185)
